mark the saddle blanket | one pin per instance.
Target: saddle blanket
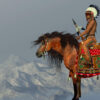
(86, 71)
(93, 52)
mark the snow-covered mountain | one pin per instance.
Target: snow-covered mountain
(23, 80)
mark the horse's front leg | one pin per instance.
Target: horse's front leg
(70, 61)
(77, 88)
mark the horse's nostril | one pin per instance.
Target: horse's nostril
(36, 53)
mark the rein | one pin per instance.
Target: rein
(45, 51)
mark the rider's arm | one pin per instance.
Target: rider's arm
(88, 29)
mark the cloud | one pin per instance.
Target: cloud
(38, 81)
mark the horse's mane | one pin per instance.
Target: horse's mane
(48, 35)
(66, 38)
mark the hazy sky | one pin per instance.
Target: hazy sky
(22, 21)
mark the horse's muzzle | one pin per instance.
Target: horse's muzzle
(38, 54)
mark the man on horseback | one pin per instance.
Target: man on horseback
(89, 34)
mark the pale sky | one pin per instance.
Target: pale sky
(22, 21)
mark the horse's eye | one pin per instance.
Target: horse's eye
(43, 43)
(47, 40)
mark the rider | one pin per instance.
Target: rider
(91, 13)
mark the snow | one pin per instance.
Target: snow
(23, 80)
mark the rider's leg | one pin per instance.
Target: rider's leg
(85, 46)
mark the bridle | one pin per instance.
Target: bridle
(46, 46)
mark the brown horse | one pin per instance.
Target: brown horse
(60, 47)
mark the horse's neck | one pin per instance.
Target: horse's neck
(56, 45)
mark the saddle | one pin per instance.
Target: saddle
(85, 71)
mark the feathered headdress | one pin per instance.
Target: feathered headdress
(94, 9)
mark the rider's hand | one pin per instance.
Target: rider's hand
(82, 37)
(78, 37)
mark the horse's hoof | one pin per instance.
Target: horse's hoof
(75, 99)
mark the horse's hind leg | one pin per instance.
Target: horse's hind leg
(79, 86)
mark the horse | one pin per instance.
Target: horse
(62, 47)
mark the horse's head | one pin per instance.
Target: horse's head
(54, 44)
(45, 45)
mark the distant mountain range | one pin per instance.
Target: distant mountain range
(23, 80)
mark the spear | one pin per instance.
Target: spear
(78, 28)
